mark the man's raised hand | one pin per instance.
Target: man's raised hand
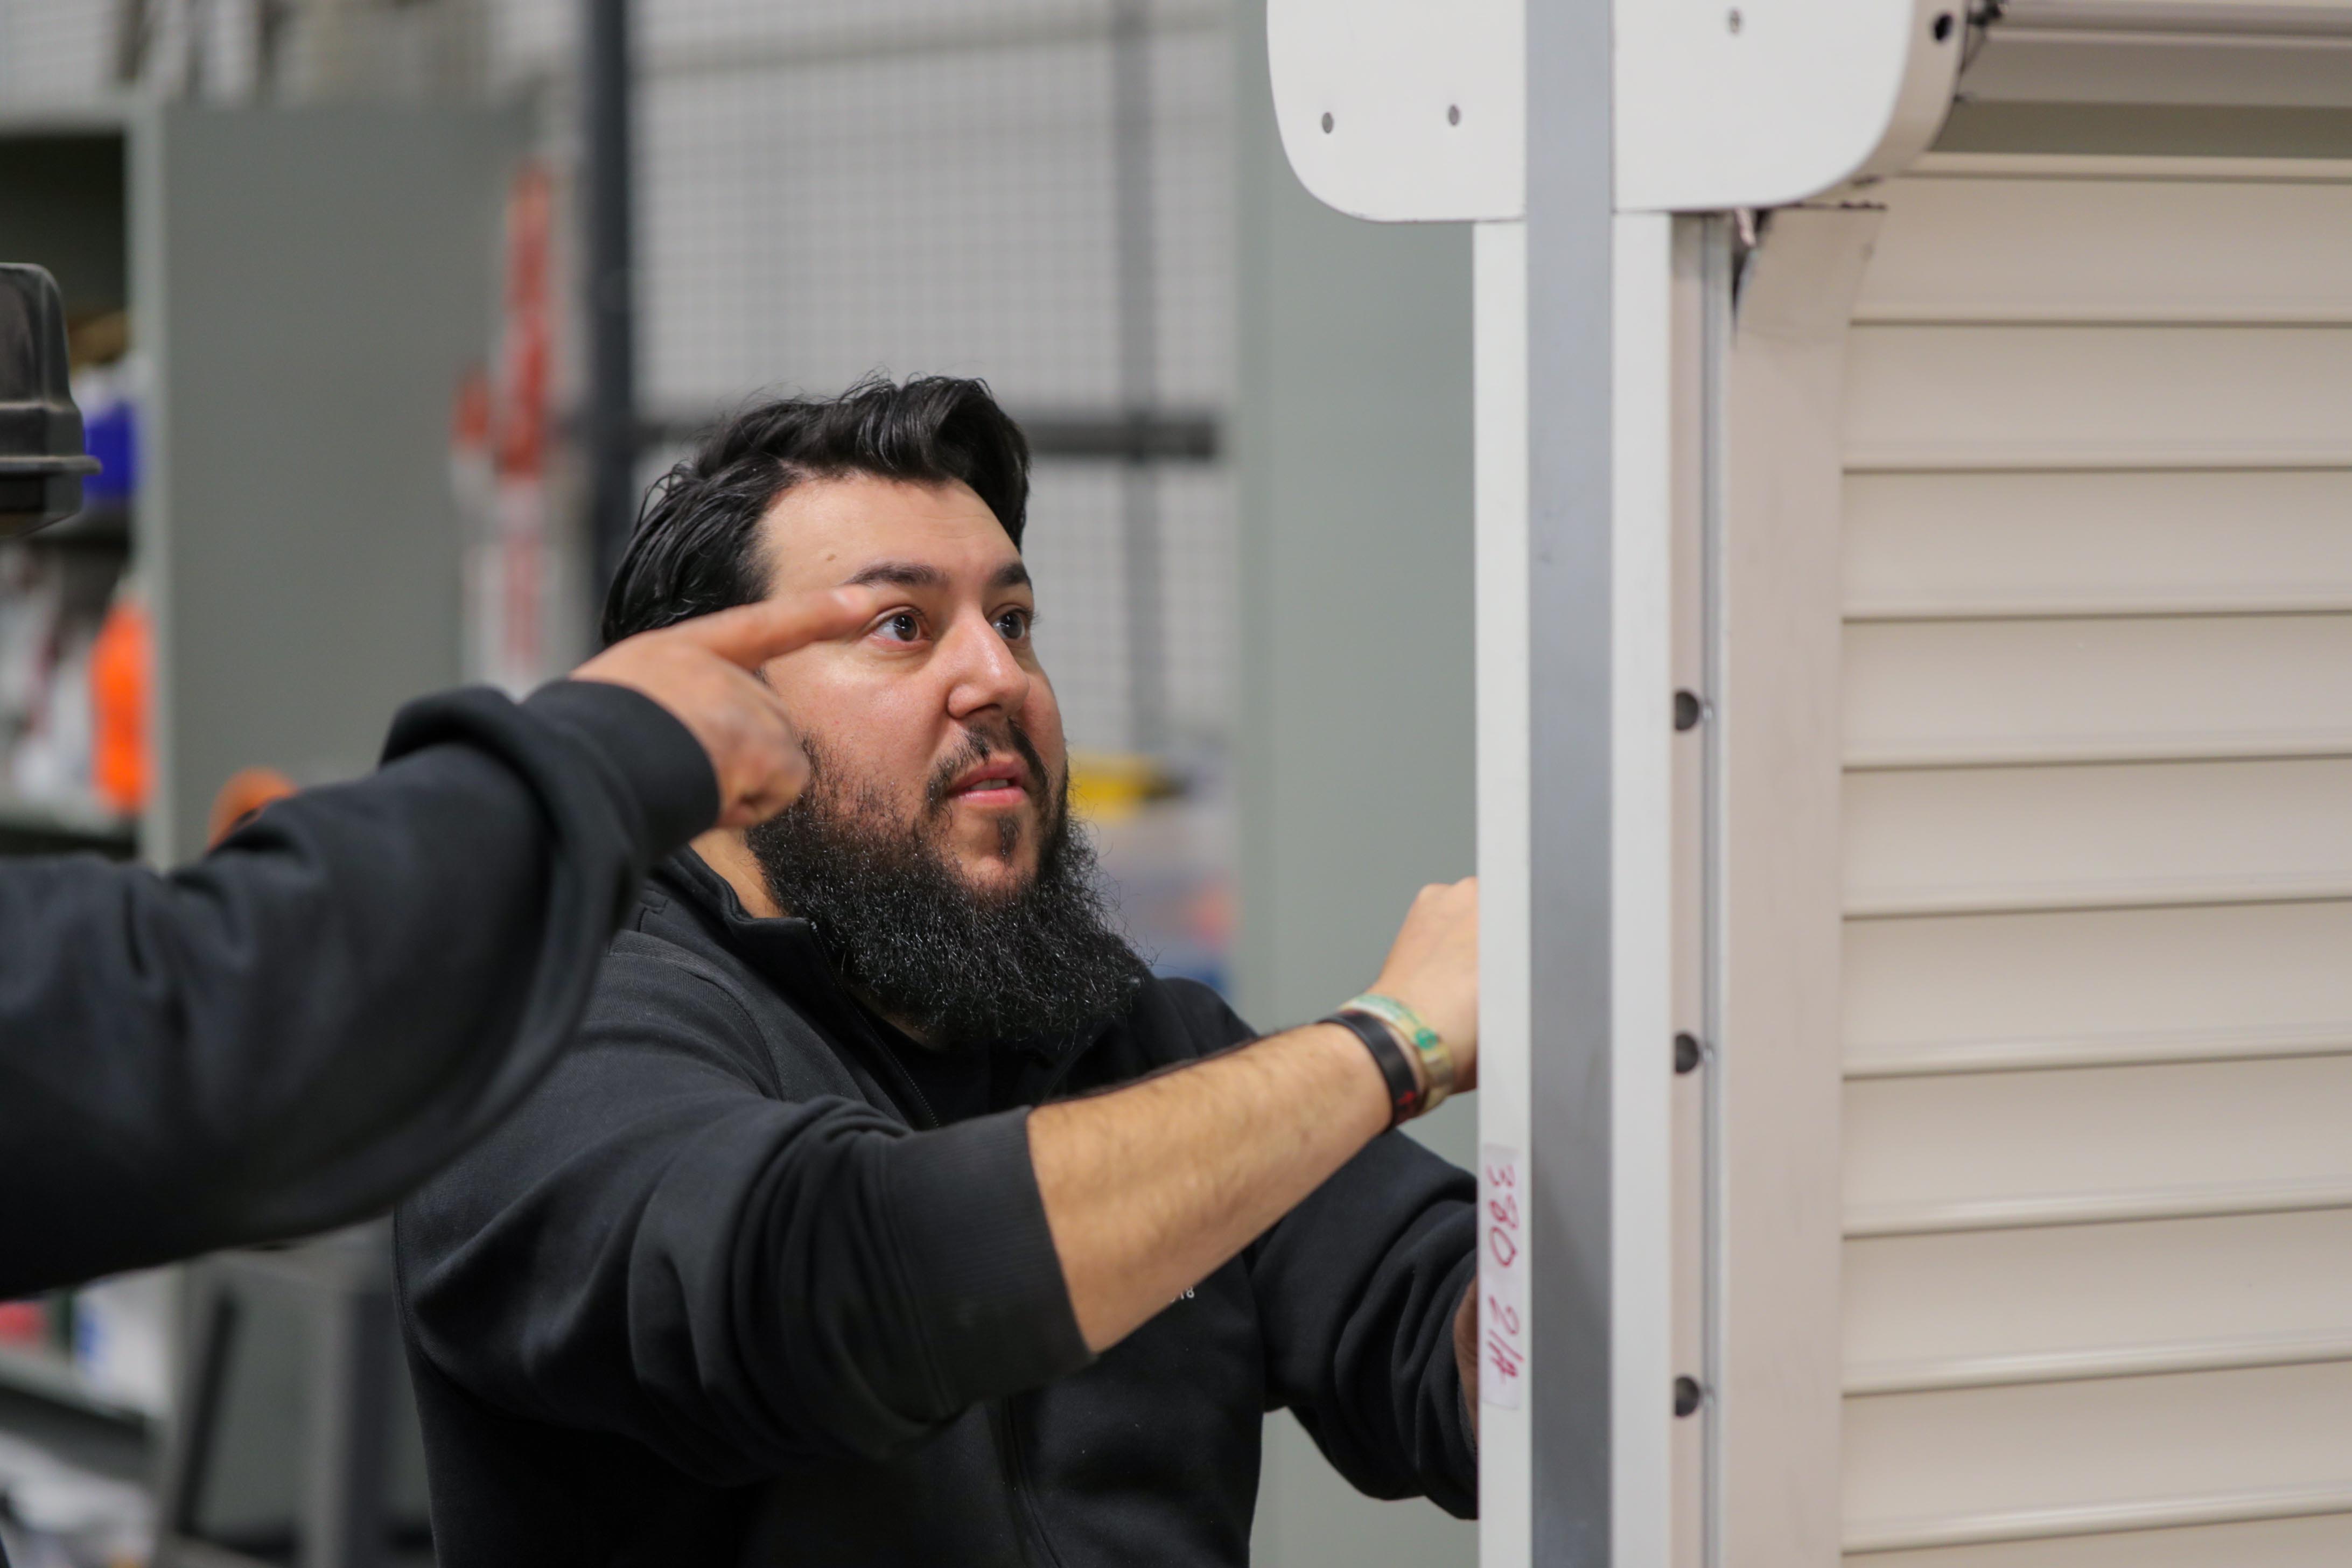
(704, 673)
(1433, 969)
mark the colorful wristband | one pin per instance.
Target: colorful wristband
(1395, 1063)
(1436, 1061)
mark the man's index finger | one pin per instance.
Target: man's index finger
(750, 635)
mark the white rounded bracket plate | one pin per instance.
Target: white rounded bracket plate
(1404, 111)
(1759, 103)
(1415, 110)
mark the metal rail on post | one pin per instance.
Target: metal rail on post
(610, 302)
(1569, 1162)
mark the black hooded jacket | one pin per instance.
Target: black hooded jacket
(288, 1035)
(721, 1292)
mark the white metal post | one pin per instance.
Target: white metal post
(1499, 267)
(1574, 131)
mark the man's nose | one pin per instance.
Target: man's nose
(982, 672)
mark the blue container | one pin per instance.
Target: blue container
(111, 434)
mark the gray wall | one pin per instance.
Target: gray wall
(1353, 440)
(312, 284)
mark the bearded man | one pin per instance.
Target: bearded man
(889, 1211)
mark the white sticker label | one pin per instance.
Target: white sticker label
(1502, 1277)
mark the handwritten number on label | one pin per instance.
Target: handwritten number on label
(1502, 1296)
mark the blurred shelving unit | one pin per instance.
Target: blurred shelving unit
(64, 201)
(304, 290)
(37, 827)
(51, 1376)
(292, 530)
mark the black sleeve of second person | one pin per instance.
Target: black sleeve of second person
(290, 1032)
(662, 1246)
(1357, 1289)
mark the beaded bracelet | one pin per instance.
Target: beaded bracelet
(1436, 1061)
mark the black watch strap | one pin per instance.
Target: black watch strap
(1396, 1066)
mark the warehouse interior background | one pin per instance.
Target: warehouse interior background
(386, 311)
(343, 345)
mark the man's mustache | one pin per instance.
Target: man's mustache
(976, 749)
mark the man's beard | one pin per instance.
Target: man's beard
(955, 965)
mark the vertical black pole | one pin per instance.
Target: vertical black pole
(611, 425)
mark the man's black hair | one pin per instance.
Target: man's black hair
(695, 546)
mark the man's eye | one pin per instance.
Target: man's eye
(904, 627)
(1013, 624)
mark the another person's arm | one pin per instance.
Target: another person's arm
(290, 1032)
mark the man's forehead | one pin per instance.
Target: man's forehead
(860, 530)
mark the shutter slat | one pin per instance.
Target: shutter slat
(2306, 1541)
(1978, 993)
(1960, 692)
(1942, 545)
(2053, 1304)
(2167, 1512)
(2146, 1139)
(2073, 1459)
(2114, 250)
(2059, 397)
(1937, 1215)
(1982, 839)
(1926, 1374)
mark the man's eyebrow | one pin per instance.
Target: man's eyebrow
(898, 575)
(1012, 575)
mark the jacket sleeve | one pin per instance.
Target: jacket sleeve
(1357, 1289)
(660, 1247)
(289, 1033)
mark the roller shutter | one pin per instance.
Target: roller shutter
(2098, 869)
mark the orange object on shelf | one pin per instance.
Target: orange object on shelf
(247, 791)
(122, 667)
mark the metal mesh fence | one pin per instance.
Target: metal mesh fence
(827, 190)
(1036, 192)
(1031, 191)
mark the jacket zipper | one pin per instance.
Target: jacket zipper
(1007, 1432)
(931, 1121)
(924, 1119)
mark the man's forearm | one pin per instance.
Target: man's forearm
(1149, 1188)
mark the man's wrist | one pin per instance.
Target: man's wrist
(1347, 1049)
(1429, 1051)
(1401, 1073)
